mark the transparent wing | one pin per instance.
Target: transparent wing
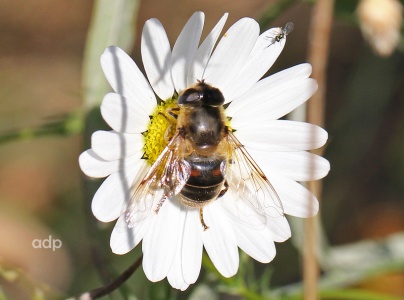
(165, 179)
(288, 28)
(249, 182)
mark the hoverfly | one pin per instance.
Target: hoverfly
(285, 31)
(201, 162)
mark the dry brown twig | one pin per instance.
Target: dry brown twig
(320, 28)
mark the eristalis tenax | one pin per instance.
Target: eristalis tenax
(203, 159)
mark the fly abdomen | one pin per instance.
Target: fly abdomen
(205, 181)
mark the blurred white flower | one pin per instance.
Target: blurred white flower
(380, 22)
(173, 239)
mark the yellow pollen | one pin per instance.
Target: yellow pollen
(154, 137)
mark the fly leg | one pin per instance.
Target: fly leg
(171, 116)
(173, 112)
(159, 204)
(201, 218)
(224, 190)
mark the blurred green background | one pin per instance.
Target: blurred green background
(42, 46)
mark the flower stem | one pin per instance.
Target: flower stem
(112, 286)
(318, 56)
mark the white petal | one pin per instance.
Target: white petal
(123, 114)
(175, 275)
(256, 243)
(112, 145)
(242, 211)
(160, 243)
(94, 166)
(231, 53)
(281, 135)
(258, 62)
(156, 56)
(196, 71)
(271, 103)
(279, 228)
(124, 239)
(126, 79)
(112, 194)
(175, 281)
(192, 246)
(112, 197)
(299, 166)
(184, 50)
(247, 216)
(219, 240)
(288, 75)
(296, 200)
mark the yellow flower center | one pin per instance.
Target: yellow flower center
(157, 136)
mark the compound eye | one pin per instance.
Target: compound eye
(213, 97)
(190, 97)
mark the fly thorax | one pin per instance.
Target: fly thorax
(205, 128)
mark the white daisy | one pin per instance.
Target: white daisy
(173, 238)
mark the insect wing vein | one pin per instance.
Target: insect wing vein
(250, 183)
(166, 178)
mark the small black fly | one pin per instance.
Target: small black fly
(285, 31)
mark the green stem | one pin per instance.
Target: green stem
(64, 126)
